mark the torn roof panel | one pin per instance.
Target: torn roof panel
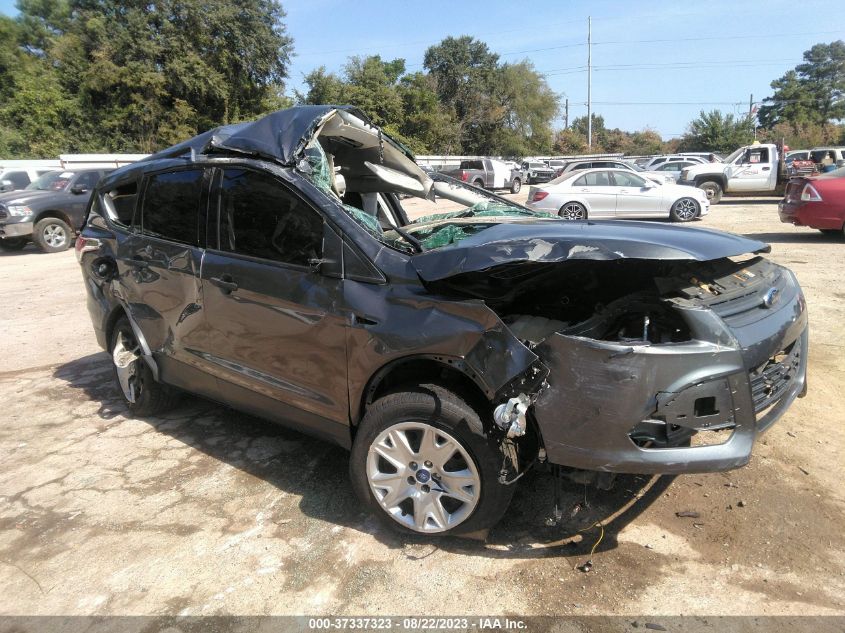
(558, 241)
(280, 136)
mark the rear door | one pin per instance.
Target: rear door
(159, 264)
(275, 334)
(635, 197)
(597, 189)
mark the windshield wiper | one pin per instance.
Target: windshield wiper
(418, 247)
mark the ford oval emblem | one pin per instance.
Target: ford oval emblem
(770, 298)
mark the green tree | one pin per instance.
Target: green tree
(717, 132)
(814, 92)
(427, 125)
(143, 75)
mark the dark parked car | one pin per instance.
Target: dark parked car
(272, 267)
(50, 211)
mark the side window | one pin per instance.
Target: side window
(593, 179)
(19, 179)
(120, 203)
(259, 218)
(674, 166)
(87, 179)
(171, 205)
(623, 179)
(759, 156)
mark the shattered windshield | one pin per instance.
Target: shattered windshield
(441, 229)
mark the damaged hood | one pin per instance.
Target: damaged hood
(549, 241)
(279, 136)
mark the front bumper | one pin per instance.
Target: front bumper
(733, 381)
(10, 228)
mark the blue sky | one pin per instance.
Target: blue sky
(712, 54)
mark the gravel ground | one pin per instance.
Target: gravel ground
(209, 511)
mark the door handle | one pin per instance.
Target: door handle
(225, 283)
(766, 168)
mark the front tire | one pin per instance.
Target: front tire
(573, 211)
(713, 190)
(141, 393)
(52, 235)
(13, 243)
(516, 185)
(424, 464)
(684, 210)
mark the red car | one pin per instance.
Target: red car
(816, 201)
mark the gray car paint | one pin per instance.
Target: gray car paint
(384, 317)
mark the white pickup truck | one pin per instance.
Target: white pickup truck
(752, 169)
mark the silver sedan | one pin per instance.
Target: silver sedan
(617, 193)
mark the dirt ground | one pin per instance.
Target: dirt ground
(209, 511)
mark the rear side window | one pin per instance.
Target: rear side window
(593, 179)
(258, 217)
(471, 164)
(171, 206)
(120, 203)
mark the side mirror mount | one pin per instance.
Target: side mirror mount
(6, 185)
(77, 189)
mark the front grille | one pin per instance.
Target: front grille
(771, 380)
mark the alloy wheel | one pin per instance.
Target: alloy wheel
(55, 236)
(423, 477)
(572, 211)
(126, 356)
(686, 209)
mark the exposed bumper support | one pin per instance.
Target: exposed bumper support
(599, 392)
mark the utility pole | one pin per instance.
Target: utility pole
(589, 82)
(751, 115)
(566, 115)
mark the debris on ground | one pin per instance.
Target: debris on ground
(740, 504)
(731, 484)
(585, 566)
(806, 472)
(655, 627)
(688, 514)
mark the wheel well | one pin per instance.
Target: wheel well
(420, 371)
(719, 180)
(114, 317)
(580, 204)
(59, 215)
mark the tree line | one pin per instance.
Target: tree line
(133, 76)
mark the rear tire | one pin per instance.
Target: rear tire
(573, 211)
(516, 185)
(424, 464)
(140, 391)
(13, 243)
(713, 190)
(684, 210)
(478, 183)
(52, 235)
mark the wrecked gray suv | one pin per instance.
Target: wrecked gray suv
(271, 266)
